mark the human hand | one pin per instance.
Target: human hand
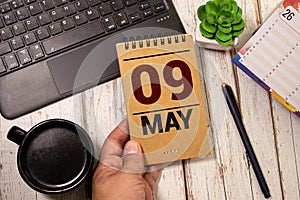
(117, 178)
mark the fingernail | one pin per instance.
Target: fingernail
(131, 147)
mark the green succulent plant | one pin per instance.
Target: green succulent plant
(221, 20)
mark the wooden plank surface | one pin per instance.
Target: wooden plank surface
(230, 169)
(226, 174)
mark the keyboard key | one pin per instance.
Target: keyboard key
(92, 14)
(60, 2)
(80, 19)
(22, 13)
(42, 33)
(130, 2)
(11, 61)
(4, 48)
(57, 14)
(5, 7)
(144, 5)
(147, 13)
(30, 38)
(47, 4)
(36, 52)
(31, 24)
(17, 4)
(68, 24)
(105, 9)
(81, 5)
(24, 56)
(94, 2)
(18, 29)
(35, 8)
(55, 28)
(159, 7)
(72, 37)
(109, 23)
(2, 67)
(44, 19)
(6, 33)
(135, 17)
(9, 18)
(121, 19)
(29, 1)
(1, 23)
(17, 43)
(132, 9)
(69, 9)
(117, 4)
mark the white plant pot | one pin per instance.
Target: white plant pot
(210, 43)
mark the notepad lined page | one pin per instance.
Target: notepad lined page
(274, 58)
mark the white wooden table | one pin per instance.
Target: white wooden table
(272, 129)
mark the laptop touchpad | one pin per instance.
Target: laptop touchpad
(84, 67)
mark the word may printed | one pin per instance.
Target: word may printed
(172, 120)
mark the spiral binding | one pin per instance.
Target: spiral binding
(138, 42)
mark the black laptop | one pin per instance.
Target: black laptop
(52, 49)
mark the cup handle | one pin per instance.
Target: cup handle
(16, 135)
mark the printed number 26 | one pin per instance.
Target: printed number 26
(288, 14)
(185, 81)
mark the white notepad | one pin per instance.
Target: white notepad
(272, 56)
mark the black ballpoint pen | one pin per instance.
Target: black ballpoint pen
(235, 112)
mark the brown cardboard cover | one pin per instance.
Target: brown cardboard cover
(184, 132)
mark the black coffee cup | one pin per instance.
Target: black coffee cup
(54, 157)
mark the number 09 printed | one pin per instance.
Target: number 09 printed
(184, 81)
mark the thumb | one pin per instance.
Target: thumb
(133, 158)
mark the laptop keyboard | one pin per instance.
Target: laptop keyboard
(32, 30)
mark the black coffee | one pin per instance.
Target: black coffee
(55, 156)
